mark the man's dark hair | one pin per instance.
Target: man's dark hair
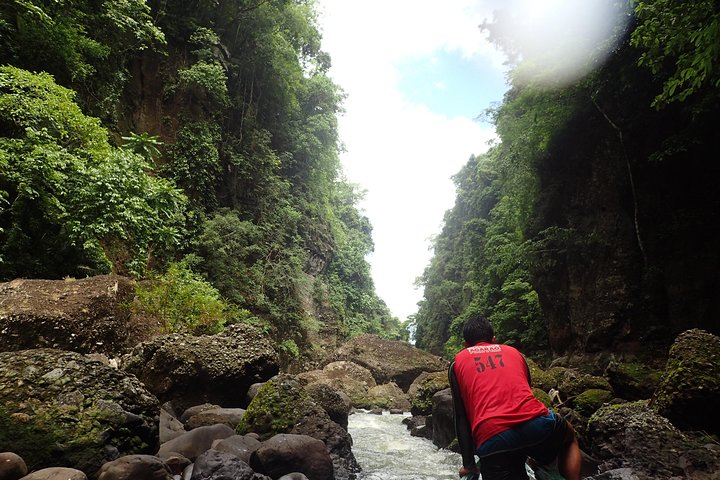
(477, 329)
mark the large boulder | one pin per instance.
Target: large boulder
(389, 396)
(347, 377)
(215, 465)
(423, 388)
(689, 391)
(63, 409)
(219, 369)
(632, 436)
(389, 360)
(90, 315)
(283, 406)
(443, 418)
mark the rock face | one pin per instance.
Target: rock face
(347, 377)
(211, 368)
(62, 409)
(422, 390)
(634, 437)
(689, 392)
(389, 360)
(88, 315)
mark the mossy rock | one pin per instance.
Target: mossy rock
(423, 389)
(63, 409)
(589, 401)
(574, 382)
(280, 404)
(632, 380)
(543, 396)
(540, 378)
(689, 392)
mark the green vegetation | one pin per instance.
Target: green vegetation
(163, 135)
(524, 246)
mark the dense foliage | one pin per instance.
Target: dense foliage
(527, 247)
(218, 149)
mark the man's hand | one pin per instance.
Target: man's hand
(466, 471)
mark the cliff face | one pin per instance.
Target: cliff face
(635, 265)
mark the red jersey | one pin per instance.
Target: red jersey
(494, 385)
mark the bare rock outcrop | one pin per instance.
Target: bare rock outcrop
(389, 360)
(89, 315)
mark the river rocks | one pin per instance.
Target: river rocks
(215, 465)
(283, 406)
(286, 453)
(423, 388)
(195, 442)
(62, 409)
(632, 380)
(12, 466)
(210, 368)
(335, 402)
(86, 315)
(633, 436)
(346, 377)
(443, 419)
(389, 360)
(56, 473)
(689, 392)
(389, 396)
(226, 416)
(241, 446)
(135, 467)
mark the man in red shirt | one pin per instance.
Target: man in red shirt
(498, 418)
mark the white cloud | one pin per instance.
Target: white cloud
(400, 152)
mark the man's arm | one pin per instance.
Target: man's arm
(462, 425)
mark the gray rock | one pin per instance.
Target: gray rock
(86, 315)
(194, 443)
(287, 453)
(241, 446)
(56, 473)
(443, 423)
(170, 427)
(214, 465)
(293, 476)
(189, 370)
(335, 402)
(227, 416)
(389, 360)
(195, 409)
(60, 408)
(135, 467)
(12, 466)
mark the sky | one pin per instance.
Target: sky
(417, 75)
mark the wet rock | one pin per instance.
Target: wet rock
(287, 453)
(632, 380)
(347, 377)
(60, 408)
(443, 420)
(12, 466)
(170, 427)
(135, 467)
(215, 369)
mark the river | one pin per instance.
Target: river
(385, 450)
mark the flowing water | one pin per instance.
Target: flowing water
(383, 447)
(385, 450)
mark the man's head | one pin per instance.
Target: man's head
(477, 329)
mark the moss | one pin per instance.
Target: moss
(279, 405)
(590, 400)
(543, 396)
(421, 403)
